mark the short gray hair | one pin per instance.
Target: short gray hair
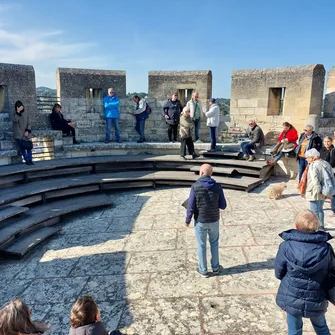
(309, 127)
(312, 153)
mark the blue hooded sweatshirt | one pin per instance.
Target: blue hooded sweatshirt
(302, 266)
(195, 207)
(111, 105)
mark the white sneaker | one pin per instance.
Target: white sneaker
(198, 141)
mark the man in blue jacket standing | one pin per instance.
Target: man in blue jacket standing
(112, 114)
(205, 201)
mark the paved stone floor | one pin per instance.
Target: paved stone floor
(138, 260)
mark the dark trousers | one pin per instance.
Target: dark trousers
(69, 130)
(190, 147)
(139, 127)
(27, 154)
(172, 130)
(302, 166)
(197, 128)
(213, 137)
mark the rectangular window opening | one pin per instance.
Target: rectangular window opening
(185, 95)
(276, 101)
(4, 103)
(93, 97)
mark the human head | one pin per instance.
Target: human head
(84, 311)
(308, 129)
(56, 108)
(136, 99)
(252, 123)
(111, 92)
(174, 96)
(15, 318)
(312, 155)
(206, 170)
(211, 101)
(327, 142)
(195, 95)
(18, 104)
(287, 126)
(186, 111)
(306, 220)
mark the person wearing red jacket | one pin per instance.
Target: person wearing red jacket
(287, 141)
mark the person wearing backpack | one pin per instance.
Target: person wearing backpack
(317, 183)
(141, 113)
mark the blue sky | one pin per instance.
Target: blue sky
(138, 36)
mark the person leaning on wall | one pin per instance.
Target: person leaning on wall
(22, 131)
(172, 110)
(141, 115)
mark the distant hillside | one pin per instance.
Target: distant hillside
(224, 105)
(46, 91)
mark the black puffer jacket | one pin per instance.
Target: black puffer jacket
(173, 110)
(328, 155)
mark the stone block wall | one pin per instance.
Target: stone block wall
(17, 82)
(329, 107)
(258, 94)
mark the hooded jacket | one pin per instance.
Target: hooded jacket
(213, 116)
(173, 110)
(302, 266)
(111, 105)
(97, 328)
(206, 199)
(328, 155)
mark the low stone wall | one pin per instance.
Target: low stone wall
(288, 167)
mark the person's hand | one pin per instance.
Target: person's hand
(26, 133)
(166, 116)
(70, 124)
(19, 109)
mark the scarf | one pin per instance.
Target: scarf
(303, 182)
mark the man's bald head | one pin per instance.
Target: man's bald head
(206, 170)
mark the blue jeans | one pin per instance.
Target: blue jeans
(213, 137)
(295, 324)
(201, 231)
(27, 154)
(197, 128)
(317, 208)
(109, 123)
(139, 127)
(302, 166)
(246, 148)
(278, 157)
(333, 203)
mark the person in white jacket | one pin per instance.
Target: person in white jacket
(141, 115)
(213, 120)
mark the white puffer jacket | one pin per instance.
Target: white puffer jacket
(213, 116)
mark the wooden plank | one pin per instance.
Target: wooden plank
(58, 172)
(8, 211)
(221, 154)
(124, 167)
(22, 245)
(216, 170)
(70, 191)
(38, 215)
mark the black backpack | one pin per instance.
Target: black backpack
(148, 109)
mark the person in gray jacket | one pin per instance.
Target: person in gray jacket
(22, 131)
(256, 140)
(85, 318)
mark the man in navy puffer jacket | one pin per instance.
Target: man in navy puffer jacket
(302, 266)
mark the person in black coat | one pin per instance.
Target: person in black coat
(59, 123)
(302, 264)
(172, 110)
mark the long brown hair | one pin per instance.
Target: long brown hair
(83, 312)
(15, 318)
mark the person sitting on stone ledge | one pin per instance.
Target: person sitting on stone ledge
(287, 142)
(172, 110)
(85, 318)
(302, 265)
(141, 116)
(15, 319)
(22, 131)
(59, 123)
(309, 139)
(185, 131)
(256, 140)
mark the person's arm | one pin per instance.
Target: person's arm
(315, 179)
(222, 200)
(28, 127)
(111, 104)
(280, 262)
(332, 158)
(190, 207)
(292, 136)
(166, 109)
(211, 112)
(142, 106)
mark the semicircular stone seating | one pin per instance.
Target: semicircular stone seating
(33, 199)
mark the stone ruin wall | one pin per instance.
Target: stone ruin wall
(255, 94)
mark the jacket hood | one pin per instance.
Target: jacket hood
(310, 256)
(207, 182)
(96, 328)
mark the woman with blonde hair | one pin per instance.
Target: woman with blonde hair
(15, 319)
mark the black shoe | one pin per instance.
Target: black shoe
(194, 156)
(140, 141)
(118, 141)
(31, 162)
(28, 162)
(182, 157)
